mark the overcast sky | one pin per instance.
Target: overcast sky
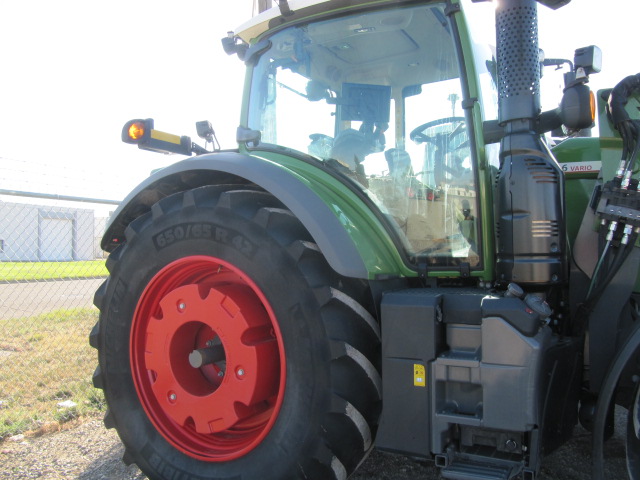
(73, 71)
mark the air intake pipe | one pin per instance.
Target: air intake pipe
(530, 210)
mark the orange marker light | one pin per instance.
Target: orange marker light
(592, 100)
(136, 130)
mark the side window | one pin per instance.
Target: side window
(293, 96)
(285, 94)
(441, 215)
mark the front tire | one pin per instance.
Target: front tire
(229, 349)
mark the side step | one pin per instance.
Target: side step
(462, 469)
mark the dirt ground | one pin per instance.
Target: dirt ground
(90, 452)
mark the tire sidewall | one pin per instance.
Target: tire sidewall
(248, 247)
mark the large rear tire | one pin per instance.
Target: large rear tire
(229, 349)
(633, 436)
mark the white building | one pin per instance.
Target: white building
(38, 233)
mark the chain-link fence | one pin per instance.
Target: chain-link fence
(50, 266)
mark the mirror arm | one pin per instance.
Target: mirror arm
(546, 122)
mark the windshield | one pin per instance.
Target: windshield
(377, 96)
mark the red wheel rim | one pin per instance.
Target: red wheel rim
(207, 358)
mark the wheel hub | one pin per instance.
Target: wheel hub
(207, 358)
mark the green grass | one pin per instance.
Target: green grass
(44, 360)
(20, 271)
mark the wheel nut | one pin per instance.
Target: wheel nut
(182, 306)
(173, 397)
(240, 372)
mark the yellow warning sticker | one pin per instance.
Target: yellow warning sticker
(419, 375)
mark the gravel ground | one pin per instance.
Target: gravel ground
(90, 452)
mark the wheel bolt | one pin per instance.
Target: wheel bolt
(182, 306)
(173, 397)
(221, 373)
(240, 372)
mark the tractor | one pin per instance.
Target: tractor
(404, 252)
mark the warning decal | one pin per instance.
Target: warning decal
(419, 375)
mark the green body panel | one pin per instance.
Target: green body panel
(582, 159)
(572, 154)
(376, 248)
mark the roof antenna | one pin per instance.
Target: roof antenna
(283, 5)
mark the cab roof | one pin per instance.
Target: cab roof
(301, 9)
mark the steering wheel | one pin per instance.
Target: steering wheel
(418, 135)
(443, 144)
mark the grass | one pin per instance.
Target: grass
(20, 271)
(44, 360)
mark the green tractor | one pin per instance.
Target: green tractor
(396, 256)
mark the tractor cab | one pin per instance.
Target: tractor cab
(378, 96)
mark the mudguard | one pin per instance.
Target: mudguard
(332, 230)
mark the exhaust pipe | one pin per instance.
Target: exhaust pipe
(530, 210)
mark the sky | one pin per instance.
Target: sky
(72, 72)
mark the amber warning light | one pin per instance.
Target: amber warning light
(141, 132)
(136, 130)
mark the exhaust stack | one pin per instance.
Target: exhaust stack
(530, 224)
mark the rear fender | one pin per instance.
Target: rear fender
(327, 224)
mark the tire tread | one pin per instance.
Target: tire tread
(353, 335)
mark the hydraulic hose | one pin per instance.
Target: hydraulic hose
(620, 256)
(596, 270)
(629, 129)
